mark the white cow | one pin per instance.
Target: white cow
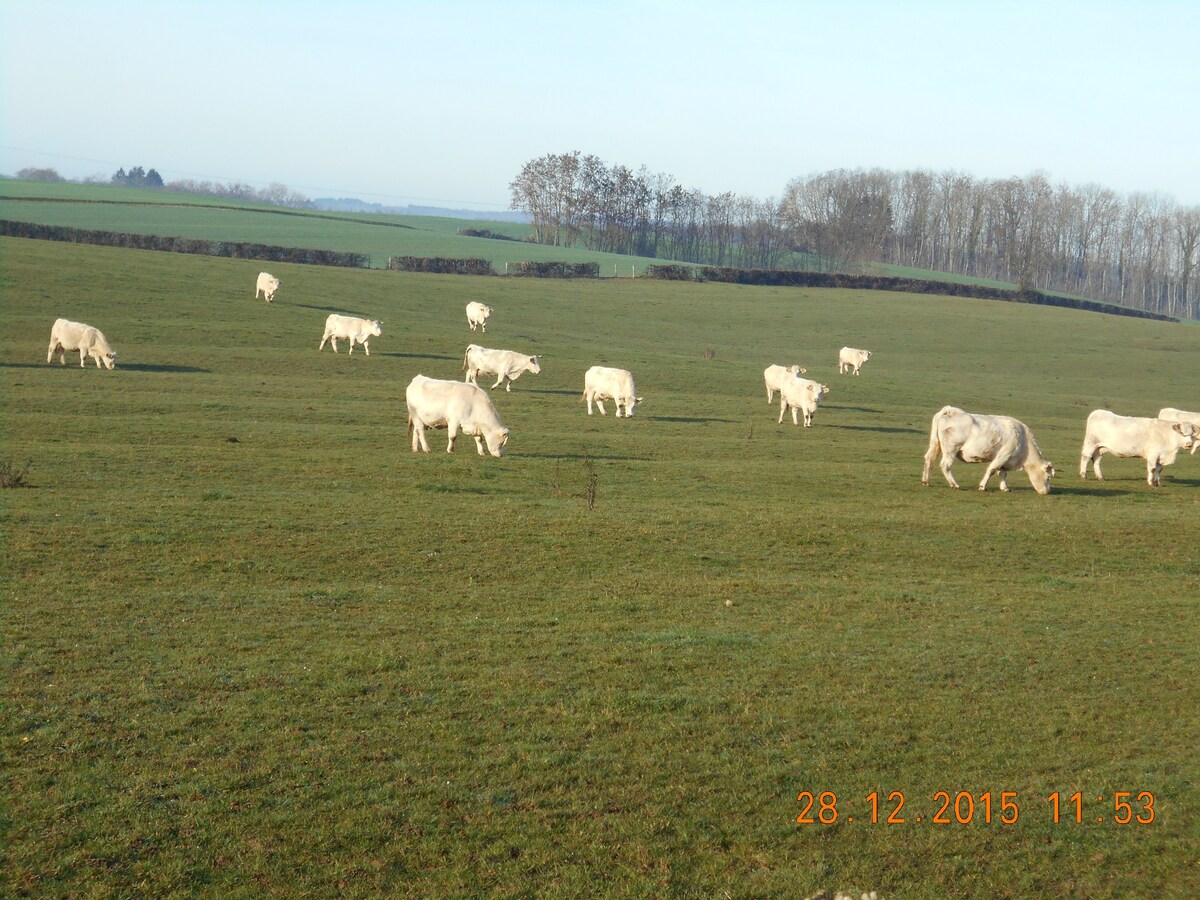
(267, 285)
(774, 376)
(1155, 440)
(802, 394)
(506, 364)
(456, 407)
(1180, 415)
(352, 329)
(851, 360)
(477, 314)
(602, 383)
(1004, 443)
(67, 335)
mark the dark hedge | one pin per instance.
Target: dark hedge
(228, 249)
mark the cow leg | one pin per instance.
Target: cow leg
(366, 349)
(1004, 481)
(988, 472)
(82, 357)
(600, 404)
(479, 445)
(499, 381)
(1154, 472)
(947, 462)
(794, 422)
(1089, 454)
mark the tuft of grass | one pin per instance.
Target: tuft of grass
(13, 476)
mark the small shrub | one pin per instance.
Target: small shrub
(13, 477)
(710, 353)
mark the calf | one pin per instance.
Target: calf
(477, 314)
(267, 285)
(851, 360)
(505, 364)
(602, 383)
(352, 329)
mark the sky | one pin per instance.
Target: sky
(442, 102)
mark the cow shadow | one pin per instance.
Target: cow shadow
(417, 356)
(599, 456)
(865, 409)
(879, 429)
(163, 367)
(686, 419)
(341, 311)
(560, 393)
(1088, 491)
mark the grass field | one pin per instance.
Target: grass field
(139, 211)
(310, 662)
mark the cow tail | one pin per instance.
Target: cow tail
(935, 444)
(465, 355)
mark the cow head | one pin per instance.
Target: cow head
(535, 365)
(1040, 474)
(496, 441)
(797, 370)
(109, 359)
(630, 404)
(818, 391)
(376, 328)
(1191, 436)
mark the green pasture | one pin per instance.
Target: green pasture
(253, 645)
(140, 211)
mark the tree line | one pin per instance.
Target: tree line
(1139, 250)
(275, 194)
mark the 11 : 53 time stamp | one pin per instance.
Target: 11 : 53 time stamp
(967, 808)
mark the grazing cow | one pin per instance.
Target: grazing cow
(802, 394)
(506, 364)
(1180, 415)
(774, 376)
(1004, 443)
(477, 314)
(602, 383)
(1155, 440)
(67, 335)
(456, 407)
(267, 285)
(352, 329)
(851, 360)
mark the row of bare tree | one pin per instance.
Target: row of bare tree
(575, 200)
(1139, 250)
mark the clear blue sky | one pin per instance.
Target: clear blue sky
(442, 102)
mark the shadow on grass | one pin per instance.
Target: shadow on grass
(417, 356)
(561, 393)
(341, 311)
(165, 367)
(865, 409)
(581, 456)
(688, 419)
(1088, 491)
(878, 429)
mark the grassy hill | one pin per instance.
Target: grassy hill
(254, 644)
(141, 211)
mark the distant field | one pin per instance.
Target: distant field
(136, 211)
(252, 644)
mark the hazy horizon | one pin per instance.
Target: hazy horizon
(440, 104)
